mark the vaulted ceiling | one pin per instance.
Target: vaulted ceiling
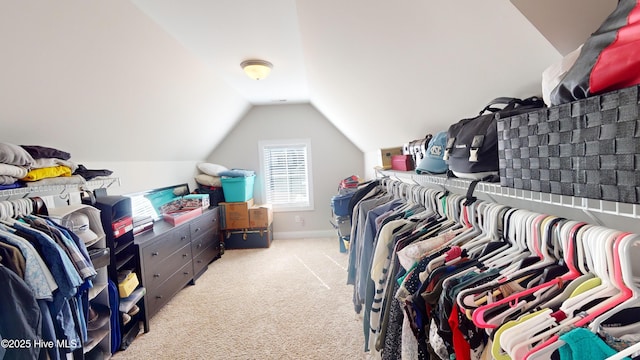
(143, 72)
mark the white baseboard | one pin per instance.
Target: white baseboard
(305, 234)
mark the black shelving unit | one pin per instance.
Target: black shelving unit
(114, 211)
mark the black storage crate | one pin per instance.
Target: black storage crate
(588, 148)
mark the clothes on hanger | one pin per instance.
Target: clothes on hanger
(443, 276)
(51, 273)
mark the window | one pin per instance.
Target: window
(286, 166)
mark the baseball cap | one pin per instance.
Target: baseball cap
(79, 224)
(433, 163)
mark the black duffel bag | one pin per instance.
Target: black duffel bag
(472, 144)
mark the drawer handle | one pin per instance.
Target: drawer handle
(158, 296)
(155, 253)
(183, 238)
(156, 275)
(184, 255)
(200, 245)
(196, 230)
(199, 261)
(186, 273)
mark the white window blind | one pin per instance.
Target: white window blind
(287, 178)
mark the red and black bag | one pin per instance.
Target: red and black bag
(609, 59)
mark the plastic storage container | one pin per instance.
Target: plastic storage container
(238, 189)
(340, 204)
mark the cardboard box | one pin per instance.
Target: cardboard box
(122, 226)
(386, 154)
(130, 283)
(260, 216)
(193, 201)
(180, 217)
(235, 215)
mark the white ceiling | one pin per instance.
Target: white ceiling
(383, 72)
(226, 32)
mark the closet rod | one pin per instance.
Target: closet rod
(44, 190)
(594, 209)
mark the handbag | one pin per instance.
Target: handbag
(609, 59)
(472, 144)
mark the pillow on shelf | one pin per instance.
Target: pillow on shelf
(211, 169)
(14, 155)
(208, 180)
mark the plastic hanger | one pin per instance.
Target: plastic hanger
(520, 222)
(478, 314)
(626, 352)
(629, 252)
(602, 269)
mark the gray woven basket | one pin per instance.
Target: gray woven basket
(589, 148)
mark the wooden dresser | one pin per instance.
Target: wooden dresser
(172, 257)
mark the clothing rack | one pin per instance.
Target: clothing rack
(610, 214)
(556, 249)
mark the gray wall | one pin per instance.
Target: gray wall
(334, 158)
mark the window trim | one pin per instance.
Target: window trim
(262, 144)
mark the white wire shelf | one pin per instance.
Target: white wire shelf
(45, 190)
(496, 193)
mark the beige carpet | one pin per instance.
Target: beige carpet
(290, 301)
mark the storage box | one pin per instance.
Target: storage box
(340, 204)
(402, 162)
(386, 154)
(122, 226)
(587, 148)
(126, 286)
(260, 216)
(248, 239)
(238, 189)
(193, 201)
(235, 215)
(180, 217)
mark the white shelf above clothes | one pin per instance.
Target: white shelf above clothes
(59, 189)
(615, 215)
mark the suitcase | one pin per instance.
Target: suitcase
(248, 239)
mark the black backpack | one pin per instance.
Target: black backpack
(472, 144)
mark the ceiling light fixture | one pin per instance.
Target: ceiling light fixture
(256, 69)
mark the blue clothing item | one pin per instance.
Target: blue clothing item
(35, 275)
(114, 303)
(83, 266)
(366, 285)
(48, 330)
(58, 262)
(353, 238)
(64, 324)
(70, 234)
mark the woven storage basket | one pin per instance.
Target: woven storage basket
(589, 148)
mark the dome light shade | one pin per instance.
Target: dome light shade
(256, 69)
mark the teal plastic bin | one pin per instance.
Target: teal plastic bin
(237, 189)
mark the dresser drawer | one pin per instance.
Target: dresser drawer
(201, 242)
(164, 246)
(158, 272)
(203, 259)
(157, 298)
(208, 220)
